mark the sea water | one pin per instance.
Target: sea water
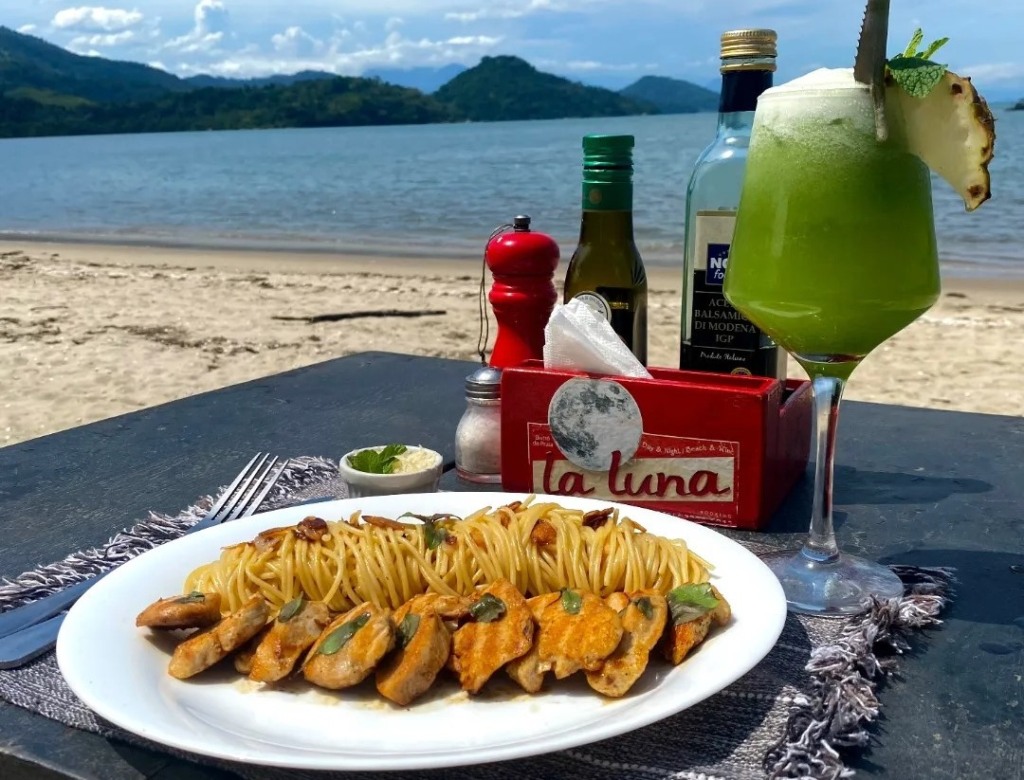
(409, 190)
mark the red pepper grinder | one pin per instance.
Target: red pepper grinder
(523, 295)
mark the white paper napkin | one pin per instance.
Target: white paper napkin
(576, 337)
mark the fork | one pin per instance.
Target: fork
(29, 631)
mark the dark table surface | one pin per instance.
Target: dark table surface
(913, 486)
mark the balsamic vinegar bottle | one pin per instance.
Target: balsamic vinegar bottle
(716, 337)
(606, 271)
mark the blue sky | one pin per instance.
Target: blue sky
(608, 42)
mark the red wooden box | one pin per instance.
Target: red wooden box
(716, 448)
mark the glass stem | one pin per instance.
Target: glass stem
(821, 541)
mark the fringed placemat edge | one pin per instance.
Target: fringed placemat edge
(845, 675)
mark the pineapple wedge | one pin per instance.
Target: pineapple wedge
(952, 130)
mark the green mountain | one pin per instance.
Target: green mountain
(335, 102)
(45, 90)
(1018, 106)
(49, 73)
(672, 96)
(502, 88)
(283, 80)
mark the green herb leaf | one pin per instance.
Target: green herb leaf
(915, 41)
(917, 76)
(430, 518)
(487, 608)
(434, 535)
(195, 597)
(646, 608)
(290, 610)
(339, 637)
(689, 602)
(374, 461)
(572, 602)
(935, 46)
(407, 629)
(914, 70)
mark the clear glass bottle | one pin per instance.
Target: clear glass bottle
(715, 337)
(606, 271)
(478, 435)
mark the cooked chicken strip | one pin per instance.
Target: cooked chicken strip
(493, 637)
(350, 647)
(679, 639)
(446, 607)
(242, 659)
(527, 670)
(195, 610)
(577, 631)
(204, 649)
(643, 614)
(293, 632)
(423, 646)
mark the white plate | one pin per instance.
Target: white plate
(120, 671)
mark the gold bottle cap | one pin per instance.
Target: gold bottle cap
(742, 44)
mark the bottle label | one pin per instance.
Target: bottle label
(596, 303)
(721, 339)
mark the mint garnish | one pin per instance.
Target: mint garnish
(377, 461)
(689, 602)
(914, 70)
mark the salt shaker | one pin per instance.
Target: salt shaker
(478, 437)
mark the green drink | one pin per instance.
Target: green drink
(834, 250)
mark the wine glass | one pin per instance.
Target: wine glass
(833, 253)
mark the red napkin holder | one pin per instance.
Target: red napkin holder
(716, 448)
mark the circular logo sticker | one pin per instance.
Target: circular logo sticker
(741, 372)
(596, 303)
(591, 419)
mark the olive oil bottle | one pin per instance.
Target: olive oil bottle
(716, 337)
(606, 271)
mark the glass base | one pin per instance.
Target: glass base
(832, 587)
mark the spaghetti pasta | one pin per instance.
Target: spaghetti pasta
(540, 547)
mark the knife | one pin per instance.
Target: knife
(869, 65)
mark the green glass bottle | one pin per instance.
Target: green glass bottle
(606, 270)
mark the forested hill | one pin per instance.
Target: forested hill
(672, 96)
(46, 90)
(510, 88)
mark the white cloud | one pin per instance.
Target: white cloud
(96, 19)
(341, 55)
(27, 29)
(995, 72)
(516, 10)
(210, 23)
(87, 42)
(296, 42)
(393, 23)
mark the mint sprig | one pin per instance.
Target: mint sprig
(914, 70)
(377, 461)
(689, 602)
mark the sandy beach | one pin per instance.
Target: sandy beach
(92, 331)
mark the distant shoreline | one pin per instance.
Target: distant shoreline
(325, 257)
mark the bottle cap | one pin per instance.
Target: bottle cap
(749, 44)
(608, 151)
(484, 384)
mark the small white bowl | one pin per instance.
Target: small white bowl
(362, 483)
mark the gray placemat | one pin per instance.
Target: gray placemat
(808, 704)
